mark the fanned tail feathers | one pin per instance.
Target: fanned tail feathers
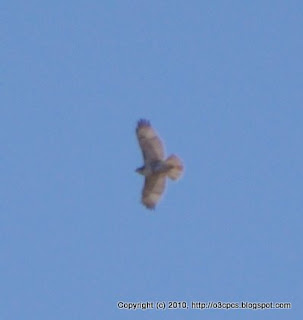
(176, 167)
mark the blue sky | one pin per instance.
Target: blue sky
(221, 81)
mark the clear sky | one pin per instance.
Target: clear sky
(221, 81)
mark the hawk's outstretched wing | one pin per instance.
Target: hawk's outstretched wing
(154, 186)
(150, 144)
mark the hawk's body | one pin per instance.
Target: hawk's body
(155, 168)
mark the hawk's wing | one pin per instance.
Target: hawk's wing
(150, 144)
(154, 186)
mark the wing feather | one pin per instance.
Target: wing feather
(153, 189)
(149, 141)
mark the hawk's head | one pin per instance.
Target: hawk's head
(140, 170)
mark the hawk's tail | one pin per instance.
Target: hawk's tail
(176, 167)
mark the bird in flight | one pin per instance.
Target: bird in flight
(156, 168)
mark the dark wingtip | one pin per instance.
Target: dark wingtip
(143, 123)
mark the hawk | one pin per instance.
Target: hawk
(156, 168)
